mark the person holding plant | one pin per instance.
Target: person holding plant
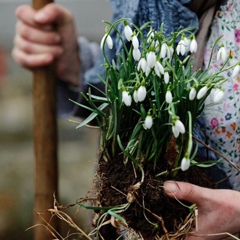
(49, 35)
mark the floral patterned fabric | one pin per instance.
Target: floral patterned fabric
(223, 120)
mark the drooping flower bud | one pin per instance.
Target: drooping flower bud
(164, 49)
(192, 93)
(185, 164)
(135, 42)
(128, 32)
(166, 77)
(136, 54)
(193, 46)
(141, 93)
(126, 98)
(218, 95)
(222, 54)
(168, 97)
(202, 92)
(179, 125)
(108, 40)
(148, 122)
(236, 71)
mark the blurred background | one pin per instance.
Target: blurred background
(77, 148)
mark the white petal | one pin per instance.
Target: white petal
(175, 131)
(135, 97)
(136, 54)
(179, 125)
(193, 46)
(126, 98)
(142, 64)
(202, 92)
(163, 52)
(109, 42)
(128, 32)
(148, 122)
(141, 93)
(168, 97)
(185, 164)
(236, 71)
(151, 59)
(192, 93)
(158, 68)
(135, 42)
(148, 70)
(166, 77)
(218, 95)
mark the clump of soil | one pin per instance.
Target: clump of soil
(151, 213)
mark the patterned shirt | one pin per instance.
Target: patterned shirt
(223, 120)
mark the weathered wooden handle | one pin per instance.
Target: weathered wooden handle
(45, 142)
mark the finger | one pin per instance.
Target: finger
(35, 48)
(36, 35)
(32, 61)
(26, 14)
(186, 191)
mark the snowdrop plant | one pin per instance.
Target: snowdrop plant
(156, 72)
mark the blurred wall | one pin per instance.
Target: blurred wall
(77, 148)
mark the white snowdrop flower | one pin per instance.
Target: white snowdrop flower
(109, 41)
(164, 49)
(181, 49)
(151, 59)
(141, 93)
(222, 54)
(192, 93)
(193, 46)
(136, 54)
(148, 70)
(212, 93)
(158, 68)
(157, 45)
(150, 35)
(135, 42)
(185, 164)
(128, 32)
(170, 52)
(135, 96)
(202, 92)
(166, 77)
(126, 98)
(187, 42)
(148, 122)
(218, 95)
(142, 64)
(168, 97)
(179, 125)
(175, 131)
(236, 71)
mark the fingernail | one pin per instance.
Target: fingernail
(170, 187)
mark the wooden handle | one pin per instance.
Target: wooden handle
(45, 143)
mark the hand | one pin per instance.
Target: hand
(47, 36)
(218, 210)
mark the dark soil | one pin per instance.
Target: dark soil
(150, 204)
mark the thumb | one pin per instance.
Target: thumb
(186, 191)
